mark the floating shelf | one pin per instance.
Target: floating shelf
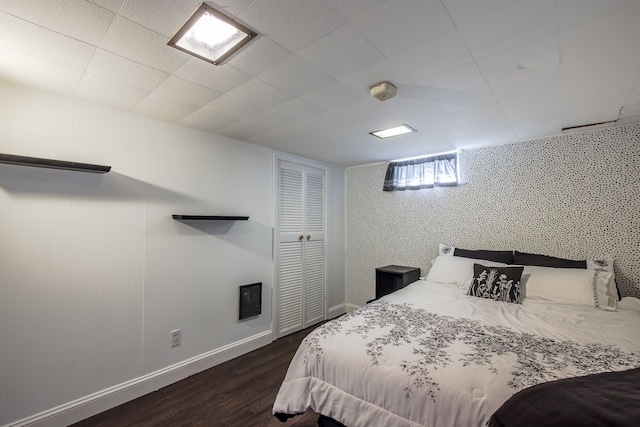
(37, 162)
(211, 217)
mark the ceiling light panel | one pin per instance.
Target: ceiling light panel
(211, 35)
(394, 131)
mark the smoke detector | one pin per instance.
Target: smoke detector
(383, 91)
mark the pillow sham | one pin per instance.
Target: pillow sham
(452, 269)
(445, 250)
(607, 265)
(505, 257)
(569, 285)
(523, 258)
(496, 283)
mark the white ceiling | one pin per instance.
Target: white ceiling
(469, 73)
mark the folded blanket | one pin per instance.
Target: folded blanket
(609, 399)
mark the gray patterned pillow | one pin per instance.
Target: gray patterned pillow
(496, 283)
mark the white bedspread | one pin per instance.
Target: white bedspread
(428, 355)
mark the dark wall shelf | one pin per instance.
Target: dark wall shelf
(37, 162)
(210, 217)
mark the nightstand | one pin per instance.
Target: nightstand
(394, 277)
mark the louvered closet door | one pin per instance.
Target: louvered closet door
(300, 248)
(313, 254)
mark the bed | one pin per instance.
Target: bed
(439, 353)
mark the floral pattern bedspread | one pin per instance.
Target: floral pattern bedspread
(429, 355)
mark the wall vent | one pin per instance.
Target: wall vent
(250, 300)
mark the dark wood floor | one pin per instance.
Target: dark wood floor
(239, 392)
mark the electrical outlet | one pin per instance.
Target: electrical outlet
(176, 337)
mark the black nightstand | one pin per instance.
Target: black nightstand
(394, 277)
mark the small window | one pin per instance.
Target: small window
(422, 172)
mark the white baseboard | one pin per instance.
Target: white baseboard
(101, 401)
(351, 307)
(336, 310)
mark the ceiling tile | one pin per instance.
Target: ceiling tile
(259, 93)
(208, 120)
(297, 109)
(595, 88)
(583, 114)
(575, 12)
(276, 137)
(606, 71)
(488, 111)
(258, 56)
(32, 39)
(78, 19)
(540, 53)
(292, 24)
(269, 119)
(123, 70)
(497, 126)
(103, 91)
(601, 35)
(112, 5)
(162, 16)
(630, 113)
(352, 8)
(435, 127)
(231, 8)
(490, 137)
(190, 93)
(536, 126)
(462, 78)
(444, 51)
(539, 106)
(462, 11)
(326, 120)
(232, 107)
(164, 108)
(332, 95)
(364, 109)
(295, 76)
(221, 78)
(514, 24)
(27, 70)
(243, 130)
(341, 52)
(336, 119)
(436, 142)
(133, 41)
(540, 80)
(463, 100)
(359, 129)
(414, 114)
(418, 19)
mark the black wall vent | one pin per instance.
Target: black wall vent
(250, 300)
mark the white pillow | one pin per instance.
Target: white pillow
(607, 265)
(458, 270)
(569, 285)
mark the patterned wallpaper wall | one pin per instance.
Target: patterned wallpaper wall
(573, 196)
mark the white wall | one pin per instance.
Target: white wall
(94, 272)
(572, 196)
(336, 241)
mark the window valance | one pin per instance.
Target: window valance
(423, 172)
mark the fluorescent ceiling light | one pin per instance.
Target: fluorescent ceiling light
(394, 131)
(211, 36)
